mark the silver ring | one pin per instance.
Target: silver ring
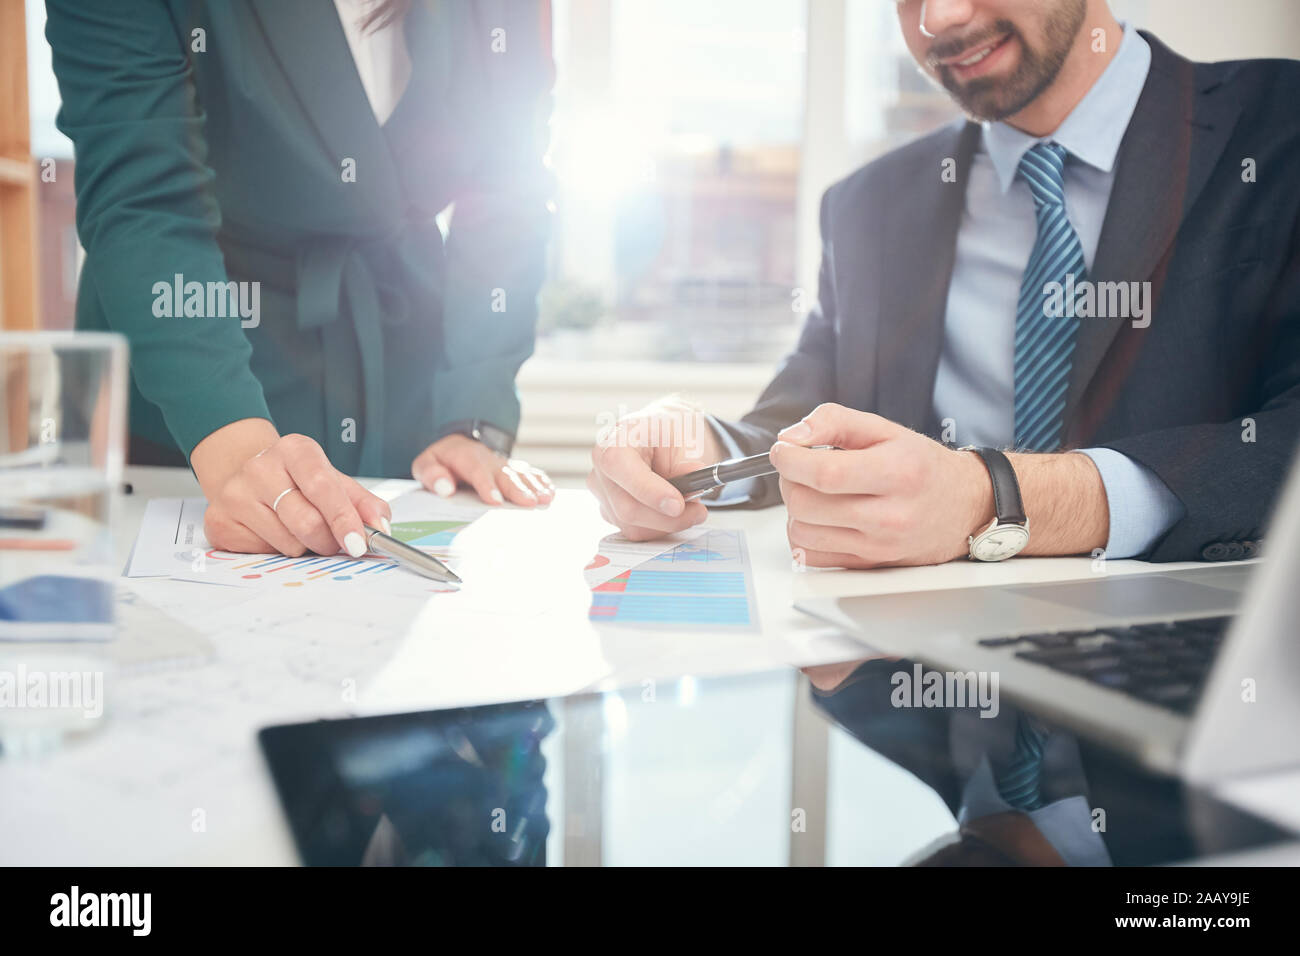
(275, 505)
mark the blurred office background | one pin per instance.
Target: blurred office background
(691, 142)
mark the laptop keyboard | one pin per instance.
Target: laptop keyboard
(1163, 664)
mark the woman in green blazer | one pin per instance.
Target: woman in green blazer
(267, 241)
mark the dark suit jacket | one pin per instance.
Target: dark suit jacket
(212, 140)
(1223, 257)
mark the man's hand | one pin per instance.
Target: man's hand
(632, 458)
(271, 493)
(894, 497)
(496, 479)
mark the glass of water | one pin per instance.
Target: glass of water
(62, 438)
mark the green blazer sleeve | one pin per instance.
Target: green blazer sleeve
(145, 212)
(496, 243)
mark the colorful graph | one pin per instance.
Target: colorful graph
(300, 571)
(700, 585)
(691, 552)
(428, 534)
(435, 537)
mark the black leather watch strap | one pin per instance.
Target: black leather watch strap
(1006, 487)
(499, 440)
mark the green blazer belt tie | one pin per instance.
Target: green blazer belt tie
(383, 281)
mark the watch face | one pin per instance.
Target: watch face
(1002, 542)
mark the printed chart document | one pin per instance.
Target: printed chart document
(705, 584)
(171, 543)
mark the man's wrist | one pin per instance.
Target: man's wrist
(981, 508)
(1065, 500)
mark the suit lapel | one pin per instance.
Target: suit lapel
(919, 248)
(308, 41)
(1173, 142)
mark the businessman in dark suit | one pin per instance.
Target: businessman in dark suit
(1099, 270)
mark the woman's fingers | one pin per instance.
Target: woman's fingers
(374, 510)
(246, 500)
(270, 504)
(278, 533)
(227, 534)
(473, 463)
(536, 480)
(275, 503)
(305, 523)
(319, 482)
(289, 498)
(513, 485)
(429, 470)
(483, 480)
(459, 459)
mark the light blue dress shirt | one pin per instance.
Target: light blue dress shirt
(975, 385)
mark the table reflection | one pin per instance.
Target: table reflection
(781, 768)
(1023, 791)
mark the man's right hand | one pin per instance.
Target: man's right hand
(243, 469)
(634, 457)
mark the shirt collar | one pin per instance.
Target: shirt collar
(1094, 129)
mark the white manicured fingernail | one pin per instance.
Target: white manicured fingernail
(385, 526)
(354, 544)
(496, 496)
(444, 487)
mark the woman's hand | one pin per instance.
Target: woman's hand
(271, 493)
(459, 458)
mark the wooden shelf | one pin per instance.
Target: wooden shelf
(18, 289)
(15, 172)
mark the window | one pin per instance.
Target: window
(676, 150)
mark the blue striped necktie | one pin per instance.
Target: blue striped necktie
(1045, 340)
(1021, 783)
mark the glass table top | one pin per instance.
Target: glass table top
(780, 768)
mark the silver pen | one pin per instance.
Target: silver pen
(411, 558)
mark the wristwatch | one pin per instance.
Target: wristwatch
(1008, 532)
(499, 440)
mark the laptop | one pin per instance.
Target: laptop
(1191, 672)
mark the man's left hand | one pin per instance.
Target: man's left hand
(889, 496)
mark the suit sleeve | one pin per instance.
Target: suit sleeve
(1228, 475)
(145, 210)
(496, 244)
(804, 380)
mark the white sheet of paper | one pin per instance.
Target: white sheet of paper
(518, 627)
(171, 537)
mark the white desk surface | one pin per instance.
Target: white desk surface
(126, 796)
